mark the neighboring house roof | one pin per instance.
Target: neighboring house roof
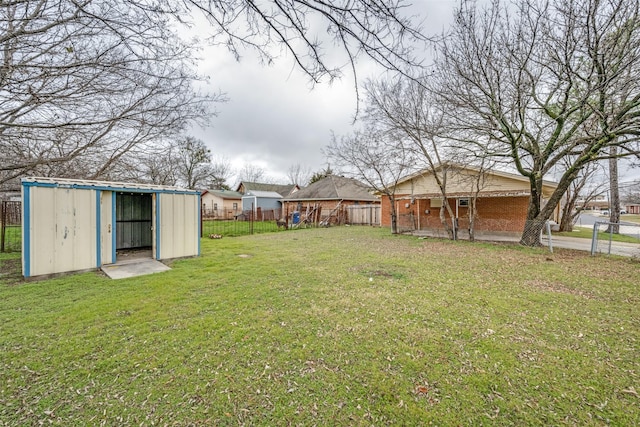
(224, 194)
(455, 190)
(263, 194)
(334, 187)
(10, 195)
(283, 190)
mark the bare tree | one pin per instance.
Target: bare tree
(185, 162)
(404, 108)
(469, 168)
(547, 80)
(299, 174)
(221, 172)
(631, 193)
(83, 83)
(614, 192)
(252, 173)
(156, 168)
(583, 189)
(374, 157)
(193, 161)
(303, 29)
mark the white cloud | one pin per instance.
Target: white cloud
(274, 117)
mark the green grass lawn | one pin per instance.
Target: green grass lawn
(12, 238)
(338, 326)
(623, 218)
(630, 218)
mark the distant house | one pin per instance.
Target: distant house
(328, 199)
(283, 190)
(599, 202)
(263, 200)
(632, 208)
(221, 204)
(10, 195)
(502, 201)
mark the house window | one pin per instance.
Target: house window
(215, 206)
(463, 203)
(235, 206)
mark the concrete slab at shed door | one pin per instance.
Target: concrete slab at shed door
(134, 268)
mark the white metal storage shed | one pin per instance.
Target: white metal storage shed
(71, 225)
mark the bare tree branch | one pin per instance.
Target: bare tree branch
(547, 81)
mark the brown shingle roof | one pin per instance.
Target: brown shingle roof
(283, 190)
(334, 187)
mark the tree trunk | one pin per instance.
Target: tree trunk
(566, 221)
(443, 218)
(537, 215)
(532, 231)
(614, 191)
(394, 215)
(472, 217)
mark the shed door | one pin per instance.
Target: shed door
(107, 250)
(133, 220)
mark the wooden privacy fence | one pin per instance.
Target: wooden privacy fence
(363, 214)
(10, 227)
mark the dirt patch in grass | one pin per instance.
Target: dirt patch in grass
(547, 286)
(378, 272)
(10, 271)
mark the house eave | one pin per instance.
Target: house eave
(320, 199)
(464, 195)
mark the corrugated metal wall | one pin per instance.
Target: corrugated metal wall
(178, 231)
(71, 225)
(62, 230)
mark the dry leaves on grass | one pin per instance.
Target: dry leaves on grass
(428, 392)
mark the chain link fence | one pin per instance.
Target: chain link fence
(616, 239)
(11, 226)
(244, 223)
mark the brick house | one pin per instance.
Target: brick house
(326, 200)
(632, 208)
(502, 201)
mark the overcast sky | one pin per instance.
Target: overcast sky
(274, 118)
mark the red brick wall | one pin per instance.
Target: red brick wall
(504, 214)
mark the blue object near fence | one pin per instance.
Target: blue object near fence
(296, 217)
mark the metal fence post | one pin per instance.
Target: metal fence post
(594, 238)
(550, 240)
(3, 218)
